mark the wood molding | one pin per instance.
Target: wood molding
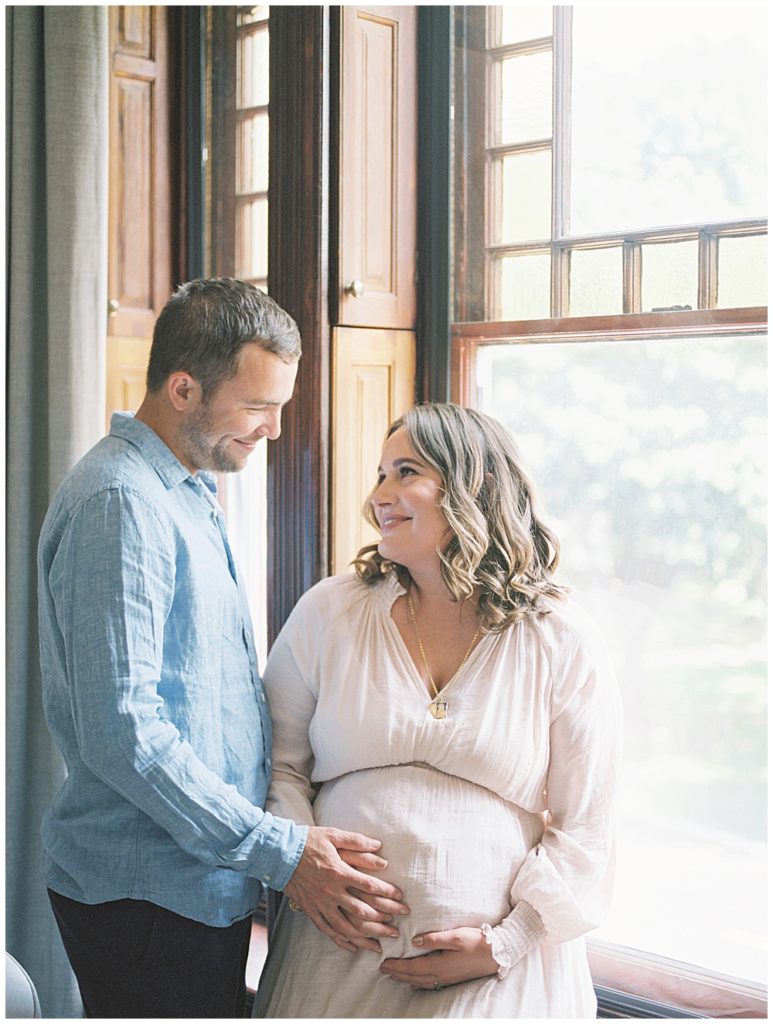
(298, 274)
(433, 327)
(377, 167)
(373, 379)
(139, 230)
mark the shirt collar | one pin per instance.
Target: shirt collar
(150, 445)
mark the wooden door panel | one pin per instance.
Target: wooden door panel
(127, 360)
(377, 167)
(139, 222)
(373, 377)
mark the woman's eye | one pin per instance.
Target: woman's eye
(407, 471)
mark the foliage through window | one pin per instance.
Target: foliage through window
(610, 290)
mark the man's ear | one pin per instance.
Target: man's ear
(182, 391)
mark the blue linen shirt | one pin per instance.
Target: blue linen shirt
(152, 692)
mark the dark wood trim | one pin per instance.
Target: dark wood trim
(334, 159)
(186, 106)
(466, 338)
(469, 29)
(704, 321)
(433, 328)
(222, 148)
(298, 275)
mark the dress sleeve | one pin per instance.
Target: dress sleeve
(567, 877)
(292, 696)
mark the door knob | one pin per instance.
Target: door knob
(355, 289)
(113, 306)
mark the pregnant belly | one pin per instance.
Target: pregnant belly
(453, 847)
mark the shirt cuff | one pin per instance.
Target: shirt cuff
(279, 852)
(520, 932)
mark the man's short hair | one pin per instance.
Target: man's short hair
(203, 326)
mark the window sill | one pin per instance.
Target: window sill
(631, 973)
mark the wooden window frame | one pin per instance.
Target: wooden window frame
(477, 138)
(242, 199)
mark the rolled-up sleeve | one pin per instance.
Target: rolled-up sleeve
(113, 624)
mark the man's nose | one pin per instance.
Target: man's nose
(271, 427)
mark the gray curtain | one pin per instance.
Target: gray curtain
(56, 266)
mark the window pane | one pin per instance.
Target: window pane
(521, 23)
(524, 287)
(252, 239)
(252, 69)
(651, 460)
(252, 155)
(669, 116)
(526, 196)
(669, 275)
(249, 15)
(526, 101)
(596, 282)
(743, 271)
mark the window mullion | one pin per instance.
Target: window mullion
(631, 277)
(708, 270)
(561, 183)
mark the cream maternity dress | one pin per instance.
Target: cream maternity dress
(507, 801)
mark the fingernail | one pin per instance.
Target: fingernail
(418, 941)
(375, 844)
(380, 862)
(394, 935)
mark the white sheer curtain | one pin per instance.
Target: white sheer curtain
(56, 272)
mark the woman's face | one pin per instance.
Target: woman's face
(406, 505)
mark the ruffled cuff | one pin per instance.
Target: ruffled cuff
(520, 932)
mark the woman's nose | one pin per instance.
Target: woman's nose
(382, 494)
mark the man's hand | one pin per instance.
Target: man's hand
(330, 880)
(460, 954)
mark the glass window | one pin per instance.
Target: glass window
(650, 458)
(524, 287)
(657, 136)
(520, 23)
(526, 99)
(596, 281)
(526, 196)
(643, 424)
(669, 275)
(238, 218)
(743, 271)
(638, 127)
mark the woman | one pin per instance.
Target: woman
(448, 700)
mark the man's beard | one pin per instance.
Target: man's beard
(196, 439)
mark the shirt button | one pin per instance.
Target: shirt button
(268, 761)
(262, 695)
(267, 878)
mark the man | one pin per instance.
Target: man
(156, 846)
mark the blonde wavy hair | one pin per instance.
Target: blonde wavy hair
(498, 542)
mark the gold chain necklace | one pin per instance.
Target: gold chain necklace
(438, 706)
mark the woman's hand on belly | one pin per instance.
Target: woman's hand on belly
(453, 956)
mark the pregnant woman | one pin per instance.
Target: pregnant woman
(448, 699)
